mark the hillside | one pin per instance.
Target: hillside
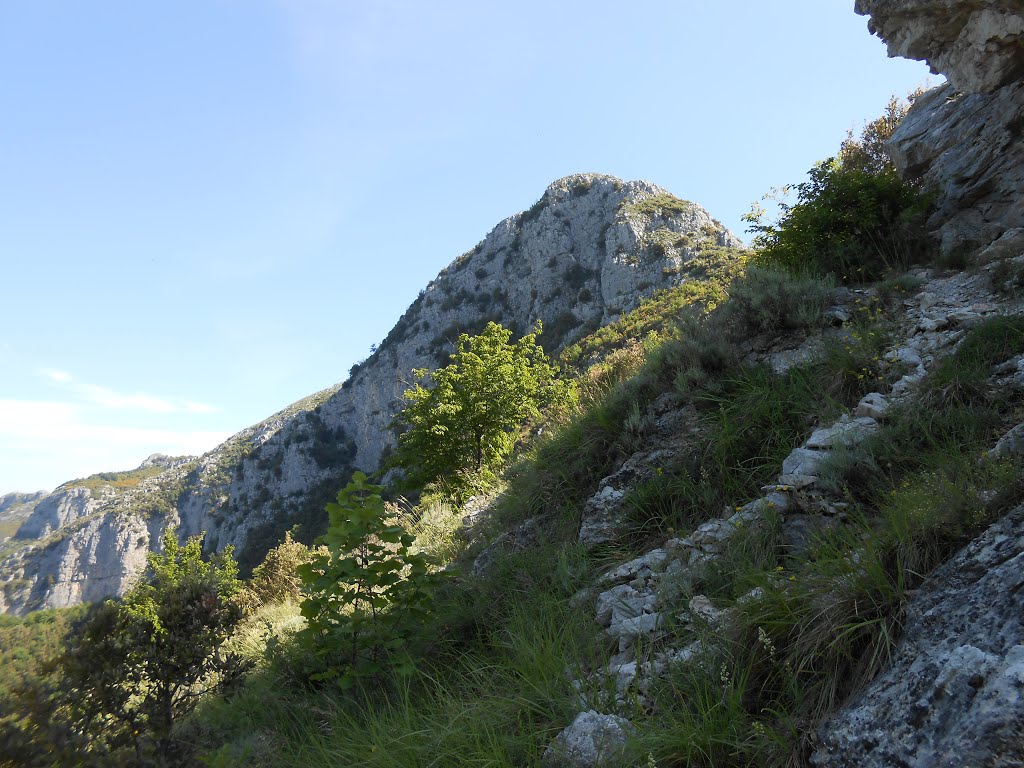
(591, 248)
(779, 523)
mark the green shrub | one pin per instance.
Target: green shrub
(460, 429)
(847, 222)
(368, 594)
(853, 218)
(275, 580)
(662, 204)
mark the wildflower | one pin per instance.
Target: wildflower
(764, 640)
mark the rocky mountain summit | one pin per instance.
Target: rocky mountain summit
(590, 249)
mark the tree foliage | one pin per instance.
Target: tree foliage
(367, 593)
(854, 217)
(468, 419)
(134, 667)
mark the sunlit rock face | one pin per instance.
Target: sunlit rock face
(963, 139)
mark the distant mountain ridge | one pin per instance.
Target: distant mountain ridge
(590, 249)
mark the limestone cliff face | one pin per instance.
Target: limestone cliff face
(57, 510)
(591, 248)
(963, 139)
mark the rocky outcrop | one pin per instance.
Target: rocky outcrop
(590, 249)
(592, 740)
(963, 139)
(102, 556)
(967, 147)
(57, 510)
(11, 500)
(977, 44)
(954, 694)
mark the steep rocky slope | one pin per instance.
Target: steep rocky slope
(952, 690)
(591, 248)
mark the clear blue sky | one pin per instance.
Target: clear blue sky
(212, 208)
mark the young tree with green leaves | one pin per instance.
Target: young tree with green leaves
(367, 592)
(463, 419)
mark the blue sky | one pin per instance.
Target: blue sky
(212, 208)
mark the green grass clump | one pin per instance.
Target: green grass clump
(771, 300)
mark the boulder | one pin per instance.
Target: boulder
(592, 740)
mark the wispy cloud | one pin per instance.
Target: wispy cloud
(55, 421)
(110, 398)
(44, 443)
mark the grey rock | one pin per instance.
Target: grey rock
(630, 628)
(965, 147)
(642, 567)
(602, 519)
(874, 405)
(1010, 245)
(954, 694)
(845, 432)
(16, 508)
(976, 44)
(592, 740)
(619, 603)
(10, 500)
(701, 608)
(60, 508)
(101, 557)
(1010, 444)
(803, 461)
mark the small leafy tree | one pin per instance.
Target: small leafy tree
(367, 593)
(134, 667)
(467, 422)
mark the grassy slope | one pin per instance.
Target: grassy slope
(494, 687)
